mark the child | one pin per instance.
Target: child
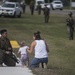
(23, 54)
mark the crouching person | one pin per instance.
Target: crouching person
(6, 50)
(41, 51)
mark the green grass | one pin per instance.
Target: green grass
(62, 50)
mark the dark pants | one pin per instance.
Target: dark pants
(46, 18)
(24, 8)
(32, 10)
(70, 32)
(39, 11)
(4, 58)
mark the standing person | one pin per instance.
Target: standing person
(41, 49)
(6, 50)
(39, 8)
(46, 14)
(23, 5)
(70, 25)
(32, 7)
(23, 54)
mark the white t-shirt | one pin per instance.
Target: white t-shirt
(23, 50)
(40, 49)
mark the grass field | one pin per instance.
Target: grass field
(62, 50)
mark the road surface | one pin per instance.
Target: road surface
(18, 70)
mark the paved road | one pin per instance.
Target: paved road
(18, 70)
(15, 71)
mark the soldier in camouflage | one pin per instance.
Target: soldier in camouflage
(39, 8)
(32, 7)
(46, 13)
(6, 50)
(70, 25)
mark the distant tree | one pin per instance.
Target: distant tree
(28, 1)
(73, 0)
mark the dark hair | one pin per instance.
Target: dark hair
(37, 35)
(2, 31)
(70, 13)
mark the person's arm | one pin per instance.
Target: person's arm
(47, 48)
(19, 51)
(28, 49)
(9, 46)
(32, 47)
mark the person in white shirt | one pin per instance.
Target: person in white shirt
(24, 54)
(41, 51)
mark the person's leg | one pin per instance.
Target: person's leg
(9, 61)
(44, 65)
(23, 9)
(45, 19)
(39, 11)
(1, 57)
(44, 62)
(69, 32)
(32, 12)
(48, 18)
(22, 58)
(72, 34)
(27, 62)
(35, 63)
(23, 63)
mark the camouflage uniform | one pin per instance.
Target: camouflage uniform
(70, 26)
(32, 7)
(46, 14)
(39, 9)
(6, 58)
(23, 5)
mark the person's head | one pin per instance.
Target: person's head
(37, 36)
(70, 14)
(22, 43)
(3, 33)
